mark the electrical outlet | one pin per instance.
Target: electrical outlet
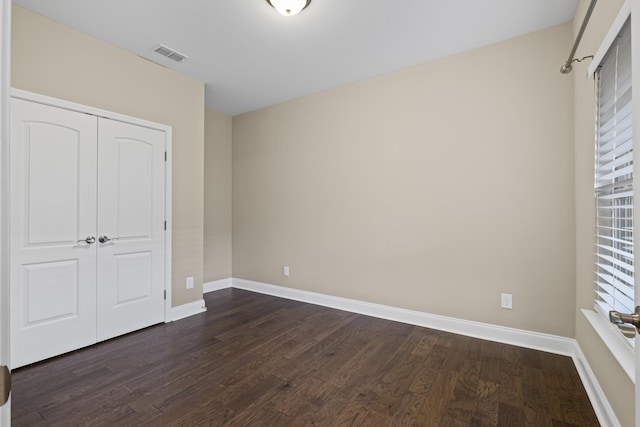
(506, 301)
(285, 271)
(190, 282)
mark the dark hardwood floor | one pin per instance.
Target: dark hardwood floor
(256, 360)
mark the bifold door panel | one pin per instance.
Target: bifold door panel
(76, 178)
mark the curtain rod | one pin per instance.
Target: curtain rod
(567, 67)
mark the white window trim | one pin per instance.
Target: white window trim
(614, 341)
(618, 23)
(608, 333)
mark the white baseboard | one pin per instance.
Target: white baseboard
(604, 411)
(217, 285)
(186, 310)
(518, 337)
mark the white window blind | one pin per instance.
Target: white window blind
(614, 269)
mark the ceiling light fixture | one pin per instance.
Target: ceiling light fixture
(289, 7)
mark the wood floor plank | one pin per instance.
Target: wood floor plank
(260, 417)
(411, 410)
(255, 388)
(464, 397)
(396, 381)
(511, 389)
(486, 412)
(294, 397)
(437, 399)
(425, 377)
(372, 418)
(426, 344)
(257, 360)
(104, 409)
(509, 415)
(147, 399)
(535, 397)
(207, 412)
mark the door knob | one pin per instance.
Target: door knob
(105, 239)
(90, 240)
(627, 323)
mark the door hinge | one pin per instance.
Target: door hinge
(5, 384)
(165, 294)
(165, 156)
(165, 225)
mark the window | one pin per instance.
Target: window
(614, 269)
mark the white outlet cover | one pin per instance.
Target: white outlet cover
(506, 301)
(190, 282)
(285, 271)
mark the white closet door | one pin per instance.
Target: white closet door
(52, 210)
(131, 214)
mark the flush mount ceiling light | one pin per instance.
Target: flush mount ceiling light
(289, 7)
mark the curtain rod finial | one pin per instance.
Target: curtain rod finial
(566, 68)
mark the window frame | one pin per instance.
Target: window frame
(608, 333)
(614, 190)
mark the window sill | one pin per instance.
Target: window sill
(614, 341)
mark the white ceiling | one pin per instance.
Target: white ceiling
(251, 57)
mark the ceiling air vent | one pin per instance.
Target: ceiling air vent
(170, 53)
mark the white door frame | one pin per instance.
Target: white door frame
(5, 70)
(55, 102)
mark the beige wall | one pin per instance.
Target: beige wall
(217, 198)
(616, 384)
(434, 188)
(55, 60)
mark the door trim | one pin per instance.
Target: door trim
(168, 203)
(60, 103)
(5, 70)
